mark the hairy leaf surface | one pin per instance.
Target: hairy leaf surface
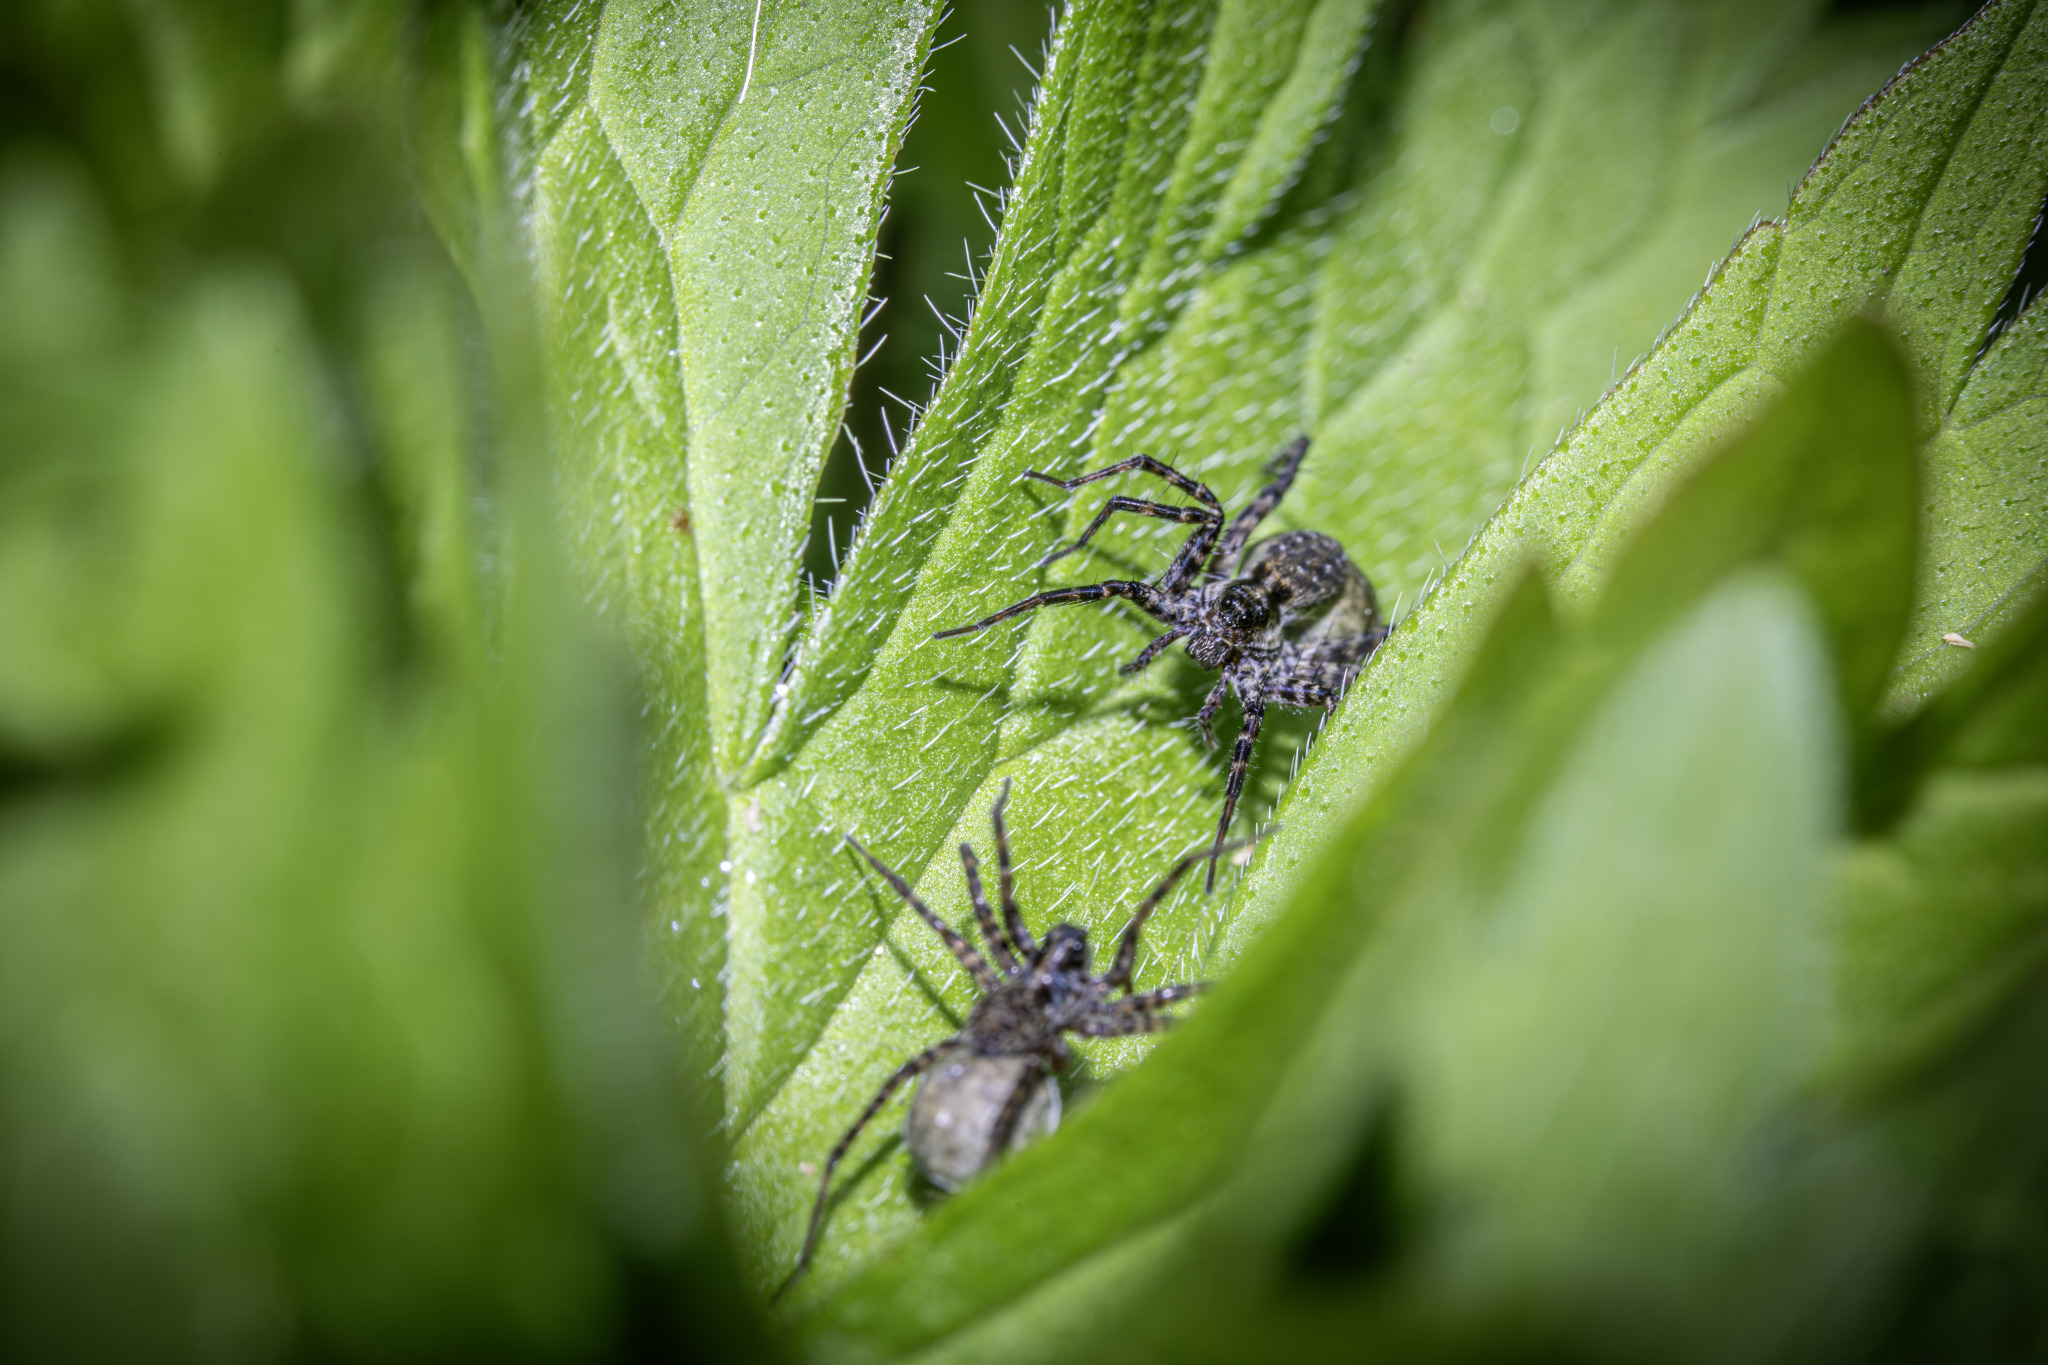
(705, 185)
(1412, 235)
(1426, 290)
(1418, 983)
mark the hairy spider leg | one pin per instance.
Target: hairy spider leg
(1230, 548)
(1194, 488)
(1253, 699)
(984, 975)
(985, 915)
(915, 1066)
(1119, 973)
(1194, 553)
(1143, 507)
(1006, 882)
(1149, 598)
(1013, 1109)
(1303, 694)
(1333, 663)
(1135, 1013)
(1205, 717)
(1152, 651)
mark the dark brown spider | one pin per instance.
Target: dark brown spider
(1292, 628)
(992, 1090)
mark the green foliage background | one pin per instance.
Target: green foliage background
(428, 723)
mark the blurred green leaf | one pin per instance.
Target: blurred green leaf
(1943, 924)
(1946, 898)
(323, 1029)
(1945, 919)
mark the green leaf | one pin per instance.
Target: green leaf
(322, 1026)
(1416, 290)
(1946, 901)
(702, 262)
(1986, 555)
(1990, 717)
(1957, 138)
(1562, 1016)
(1408, 982)
(706, 191)
(1231, 222)
(1943, 922)
(1827, 483)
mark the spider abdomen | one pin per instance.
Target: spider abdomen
(1321, 593)
(961, 1099)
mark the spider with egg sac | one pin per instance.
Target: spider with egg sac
(1293, 627)
(989, 1088)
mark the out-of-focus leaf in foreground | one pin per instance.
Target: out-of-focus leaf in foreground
(322, 1030)
(1944, 986)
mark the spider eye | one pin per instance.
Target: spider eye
(1243, 608)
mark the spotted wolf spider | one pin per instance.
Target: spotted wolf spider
(1293, 627)
(988, 1089)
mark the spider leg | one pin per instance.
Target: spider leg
(1254, 700)
(1326, 656)
(1013, 1109)
(1145, 595)
(1194, 488)
(984, 916)
(1303, 694)
(1152, 651)
(977, 966)
(1119, 973)
(1317, 674)
(1207, 517)
(1210, 707)
(1006, 883)
(1136, 1013)
(905, 1072)
(1195, 552)
(1230, 547)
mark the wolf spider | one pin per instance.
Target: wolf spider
(1293, 627)
(989, 1089)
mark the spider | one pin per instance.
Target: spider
(1292, 628)
(989, 1089)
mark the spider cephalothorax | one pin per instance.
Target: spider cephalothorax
(1291, 624)
(988, 1089)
